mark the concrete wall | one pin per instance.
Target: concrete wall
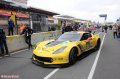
(17, 42)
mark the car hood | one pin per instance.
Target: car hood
(49, 47)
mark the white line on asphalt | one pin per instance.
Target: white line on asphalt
(96, 60)
(53, 72)
(18, 51)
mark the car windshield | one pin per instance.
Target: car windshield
(70, 36)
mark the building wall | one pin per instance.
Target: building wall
(39, 22)
(5, 14)
(21, 17)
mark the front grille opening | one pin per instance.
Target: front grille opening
(44, 59)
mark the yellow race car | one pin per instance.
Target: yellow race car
(66, 49)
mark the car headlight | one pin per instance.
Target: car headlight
(59, 50)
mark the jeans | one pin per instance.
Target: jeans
(28, 41)
(3, 45)
(115, 34)
(10, 30)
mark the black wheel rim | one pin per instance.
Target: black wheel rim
(74, 56)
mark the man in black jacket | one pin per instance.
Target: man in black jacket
(3, 43)
(105, 28)
(28, 32)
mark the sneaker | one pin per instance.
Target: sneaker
(7, 55)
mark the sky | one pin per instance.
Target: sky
(82, 9)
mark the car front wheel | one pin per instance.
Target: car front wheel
(73, 56)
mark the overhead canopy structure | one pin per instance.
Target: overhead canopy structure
(36, 10)
(21, 6)
(9, 5)
(16, 3)
(77, 20)
(64, 17)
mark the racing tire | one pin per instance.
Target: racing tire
(73, 56)
(97, 47)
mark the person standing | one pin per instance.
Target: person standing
(102, 28)
(110, 27)
(10, 27)
(53, 28)
(76, 27)
(119, 31)
(68, 28)
(63, 28)
(105, 28)
(49, 28)
(3, 43)
(115, 31)
(28, 32)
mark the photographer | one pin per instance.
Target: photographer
(28, 32)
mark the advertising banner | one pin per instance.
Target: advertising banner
(17, 17)
(8, 13)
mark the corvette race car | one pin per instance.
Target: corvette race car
(66, 49)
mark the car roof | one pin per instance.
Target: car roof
(79, 32)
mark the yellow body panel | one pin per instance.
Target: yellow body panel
(42, 50)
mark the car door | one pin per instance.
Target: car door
(92, 41)
(86, 41)
(83, 41)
